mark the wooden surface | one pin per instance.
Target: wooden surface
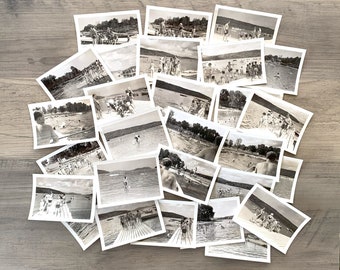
(37, 35)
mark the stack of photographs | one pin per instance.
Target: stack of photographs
(192, 107)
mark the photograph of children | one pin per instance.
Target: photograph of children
(235, 183)
(250, 153)
(66, 121)
(129, 181)
(104, 29)
(289, 174)
(253, 249)
(117, 100)
(173, 22)
(186, 176)
(134, 136)
(180, 219)
(235, 24)
(121, 60)
(215, 225)
(269, 218)
(187, 95)
(75, 159)
(194, 135)
(68, 79)
(177, 57)
(62, 198)
(124, 224)
(275, 118)
(84, 233)
(239, 63)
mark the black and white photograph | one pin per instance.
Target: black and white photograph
(283, 69)
(173, 22)
(128, 181)
(236, 24)
(252, 153)
(190, 96)
(75, 159)
(194, 135)
(180, 218)
(289, 174)
(235, 183)
(253, 249)
(110, 28)
(67, 80)
(215, 225)
(134, 136)
(234, 63)
(61, 122)
(68, 198)
(84, 233)
(124, 224)
(269, 218)
(275, 118)
(176, 57)
(124, 98)
(185, 175)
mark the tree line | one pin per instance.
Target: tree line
(71, 107)
(261, 149)
(293, 62)
(177, 162)
(232, 99)
(199, 24)
(51, 81)
(120, 27)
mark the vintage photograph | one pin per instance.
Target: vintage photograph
(173, 22)
(238, 63)
(176, 57)
(134, 136)
(194, 135)
(269, 218)
(275, 118)
(235, 183)
(117, 100)
(124, 224)
(75, 159)
(186, 176)
(67, 198)
(289, 174)
(235, 24)
(104, 29)
(215, 225)
(253, 249)
(129, 181)
(84, 233)
(61, 122)
(68, 79)
(249, 153)
(186, 95)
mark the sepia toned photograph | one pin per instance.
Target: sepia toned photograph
(194, 135)
(186, 95)
(176, 57)
(253, 249)
(67, 198)
(275, 118)
(180, 218)
(67, 80)
(289, 174)
(117, 100)
(215, 225)
(177, 23)
(129, 181)
(107, 29)
(269, 218)
(124, 224)
(134, 136)
(236, 24)
(76, 159)
(186, 176)
(61, 122)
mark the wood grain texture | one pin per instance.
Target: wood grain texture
(37, 35)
